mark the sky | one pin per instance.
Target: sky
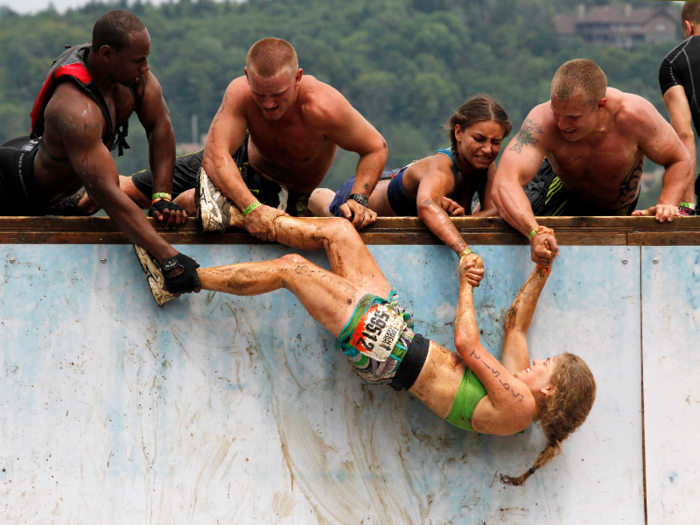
(34, 6)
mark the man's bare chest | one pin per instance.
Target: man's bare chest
(290, 146)
(606, 162)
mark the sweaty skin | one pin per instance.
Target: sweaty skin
(597, 151)
(296, 123)
(75, 128)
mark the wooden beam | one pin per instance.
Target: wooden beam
(572, 231)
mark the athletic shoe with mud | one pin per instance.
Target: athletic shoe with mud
(213, 209)
(155, 276)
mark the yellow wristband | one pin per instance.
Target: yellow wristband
(250, 208)
(465, 253)
(162, 195)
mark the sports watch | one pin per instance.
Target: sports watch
(358, 197)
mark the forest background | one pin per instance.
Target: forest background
(406, 65)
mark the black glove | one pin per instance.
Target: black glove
(185, 281)
(163, 204)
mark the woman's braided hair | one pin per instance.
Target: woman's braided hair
(561, 413)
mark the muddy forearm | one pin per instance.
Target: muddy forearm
(523, 308)
(438, 222)
(466, 329)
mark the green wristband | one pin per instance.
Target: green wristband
(162, 195)
(689, 205)
(532, 234)
(250, 208)
(465, 253)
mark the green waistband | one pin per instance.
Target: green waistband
(469, 393)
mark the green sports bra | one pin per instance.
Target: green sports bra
(469, 393)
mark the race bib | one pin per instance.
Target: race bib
(378, 332)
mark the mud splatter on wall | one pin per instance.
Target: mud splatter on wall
(217, 409)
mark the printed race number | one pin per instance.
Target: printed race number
(379, 333)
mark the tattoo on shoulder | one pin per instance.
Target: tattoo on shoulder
(526, 136)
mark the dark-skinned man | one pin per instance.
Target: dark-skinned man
(80, 115)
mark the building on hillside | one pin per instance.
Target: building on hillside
(621, 25)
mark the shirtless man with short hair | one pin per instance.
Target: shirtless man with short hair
(80, 115)
(271, 144)
(595, 140)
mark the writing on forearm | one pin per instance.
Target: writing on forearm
(507, 386)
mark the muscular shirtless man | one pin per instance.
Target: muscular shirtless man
(271, 144)
(679, 79)
(595, 140)
(80, 115)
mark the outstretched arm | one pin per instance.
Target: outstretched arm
(515, 352)
(510, 405)
(487, 206)
(155, 118)
(351, 131)
(519, 164)
(80, 124)
(681, 121)
(226, 134)
(435, 185)
(659, 142)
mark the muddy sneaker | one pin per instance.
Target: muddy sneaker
(213, 209)
(155, 276)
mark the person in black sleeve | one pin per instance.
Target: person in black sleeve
(679, 79)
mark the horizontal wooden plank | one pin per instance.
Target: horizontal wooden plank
(676, 238)
(584, 231)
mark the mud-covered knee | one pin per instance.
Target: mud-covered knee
(293, 259)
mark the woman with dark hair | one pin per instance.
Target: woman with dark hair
(470, 389)
(442, 185)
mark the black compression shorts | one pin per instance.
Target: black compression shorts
(412, 363)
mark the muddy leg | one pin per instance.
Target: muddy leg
(327, 297)
(348, 256)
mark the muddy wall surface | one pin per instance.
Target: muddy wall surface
(224, 410)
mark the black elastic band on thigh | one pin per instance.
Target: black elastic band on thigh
(412, 363)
